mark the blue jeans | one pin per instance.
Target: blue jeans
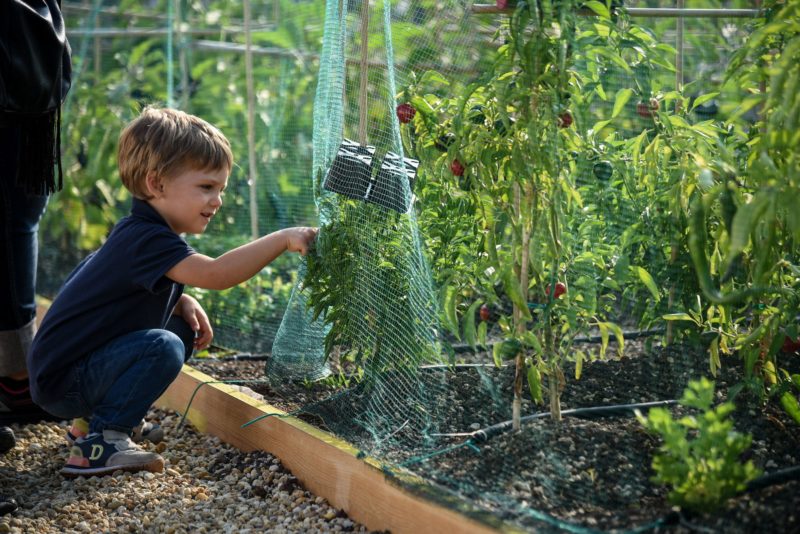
(19, 223)
(115, 385)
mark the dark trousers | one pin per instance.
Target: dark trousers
(19, 224)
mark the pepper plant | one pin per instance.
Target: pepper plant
(363, 281)
(748, 270)
(497, 165)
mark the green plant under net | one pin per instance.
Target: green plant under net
(365, 298)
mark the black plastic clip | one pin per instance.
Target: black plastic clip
(351, 175)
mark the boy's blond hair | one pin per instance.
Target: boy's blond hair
(167, 142)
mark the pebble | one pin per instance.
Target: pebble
(207, 486)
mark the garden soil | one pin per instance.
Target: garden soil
(584, 475)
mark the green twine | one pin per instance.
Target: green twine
(201, 384)
(264, 416)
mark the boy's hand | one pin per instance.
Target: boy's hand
(298, 239)
(196, 317)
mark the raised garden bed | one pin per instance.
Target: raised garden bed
(592, 474)
(323, 463)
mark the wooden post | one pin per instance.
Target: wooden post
(251, 136)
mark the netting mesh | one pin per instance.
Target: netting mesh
(366, 290)
(389, 307)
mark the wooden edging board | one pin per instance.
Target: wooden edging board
(323, 463)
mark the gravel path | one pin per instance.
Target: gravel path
(207, 486)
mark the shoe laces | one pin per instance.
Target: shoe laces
(120, 440)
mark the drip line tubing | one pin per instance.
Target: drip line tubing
(242, 356)
(586, 339)
(772, 479)
(593, 412)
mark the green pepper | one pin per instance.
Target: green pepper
(603, 170)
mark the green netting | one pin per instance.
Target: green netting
(388, 311)
(367, 283)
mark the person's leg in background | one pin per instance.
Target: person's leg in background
(20, 213)
(7, 442)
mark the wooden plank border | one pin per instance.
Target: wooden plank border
(325, 464)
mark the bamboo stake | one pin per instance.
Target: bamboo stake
(362, 97)
(679, 49)
(678, 87)
(251, 140)
(519, 322)
(516, 405)
(182, 58)
(170, 31)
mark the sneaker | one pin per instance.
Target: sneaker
(7, 439)
(144, 431)
(7, 505)
(16, 404)
(77, 430)
(102, 454)
(147, 431)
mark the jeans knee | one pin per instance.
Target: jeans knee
(171, 352)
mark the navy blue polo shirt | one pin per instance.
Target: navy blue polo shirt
(118, 289)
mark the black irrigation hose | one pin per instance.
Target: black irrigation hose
(616, 410)
(244, 356)
(778, 477)
(458, 349)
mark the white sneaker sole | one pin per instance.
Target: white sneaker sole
(155, 466)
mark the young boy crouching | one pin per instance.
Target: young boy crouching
(120, 329)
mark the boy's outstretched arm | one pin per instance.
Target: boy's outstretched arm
(242, 263)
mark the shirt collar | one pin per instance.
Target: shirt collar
(141, 208)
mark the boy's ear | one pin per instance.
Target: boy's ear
(154, 185)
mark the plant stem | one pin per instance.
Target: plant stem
(673, 257)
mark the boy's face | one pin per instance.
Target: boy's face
(189, 200)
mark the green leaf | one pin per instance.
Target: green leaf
(791, 406)
(680, 122)
(530, 340)
(535, 384)
(714, 362)
(449, 307)
(623, 95)
(514, 291)
(677, 317)
(599, 8)
(603, 338)
(482, 333)
(600, 125)
(469, 324)
(648, 281)
(746, 218)
(700, 100)
(431, 77)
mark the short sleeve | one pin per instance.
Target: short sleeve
(155, 254)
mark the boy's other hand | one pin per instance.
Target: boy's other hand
(299, 239)
(195, 316)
